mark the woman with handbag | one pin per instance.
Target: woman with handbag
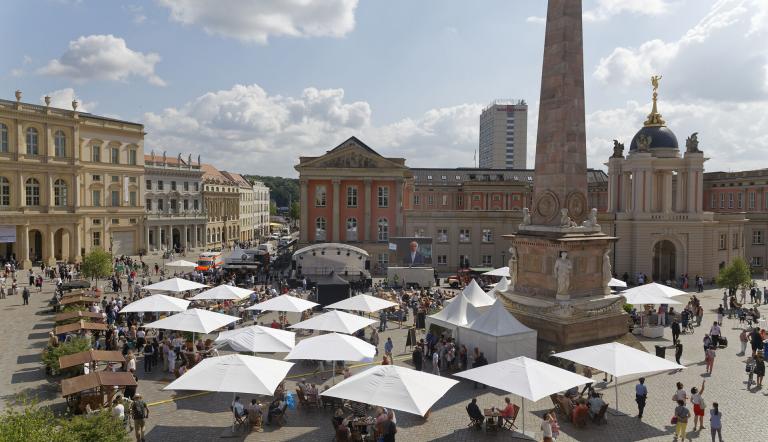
(680, 419)
(698, 405)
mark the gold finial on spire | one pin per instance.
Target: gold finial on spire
(654, 118)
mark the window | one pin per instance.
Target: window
(757, 237)
(5, 191)
(382, 229)
(132, 220)
(445, 200)
(32, 192)
(740, 200)
(442, 235)
(96, 198)
(160, 205)
(32, 142)
(132, 157)
(96, 153)
(416, 200)
(351, 196)
(487, 261)
(430, 200)
(3, 138)
(132, 179)
(115, 178)
(463, 261)
(197, 187)
(114, 155)
(383, 193)
(320, 196)
(442, 260)
(59, 193)
(487, 235)
(196, 205)
(149, 185)
(160, 185)
(96, 222)
(351, 229)
(115, 199)
(172, 206)
(60, 144)
(713, 201)
(735, 240)
(730, 201)
(383, 260)
(132, 198)
(320, 225)
(464, 235)
(186, 186)
(96, 239)
(756, 261)
(173, 185)
(148, 205)
(722, 200)
(115, 220)
(475, 197)
(751, 200)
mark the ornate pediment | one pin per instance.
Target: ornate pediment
(352, 154)
(350, 160)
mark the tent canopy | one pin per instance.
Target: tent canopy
(258, 339)
(335, 321)
(175, 285)
(497, 321)
(362, 303)
(284, 303)
(645, 297)
(394, 387)
(656, 290)
(499, 335)
(618, 359)
(476, 296)
(457, 313)
(617, 283)
(156, 303)
(501, 271)
(79, 325)
(94, 380)
(333, 347)
(88, 356)
(181, 264)
(194, 320)
(500, 287)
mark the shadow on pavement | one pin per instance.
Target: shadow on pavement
(28, 375)
(28, 359)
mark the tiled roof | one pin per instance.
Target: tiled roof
(448, 176)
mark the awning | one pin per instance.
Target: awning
(94, 380)
(77, 314)
(79, 325)
(88, 356)
(78, 300)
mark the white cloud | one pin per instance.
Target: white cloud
(246, 129)
(17, 72)
(103, 57)
(137, 13)
(62, 98)
(606, 9)
(256, 21)
(536, 20)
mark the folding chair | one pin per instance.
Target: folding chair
(474, 421)
(509, 422)
(600, 416)
(238, 421)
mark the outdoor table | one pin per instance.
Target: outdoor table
(491, 418)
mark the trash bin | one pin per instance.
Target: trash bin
(661, 351)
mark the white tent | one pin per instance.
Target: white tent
(394, 387)
(194, 320)
(258, 339)
(525, 377)
(618, 360)
(499, 335)
(476, 296)
(182, 264)
(234, 374)
(156, 303)
(335, 321)
(617, 283)
(175, 285)
(500, 287)
(284, 303)
(501, 271)
(457, 313)
(362, 303)
(656, 290)
(223, 292)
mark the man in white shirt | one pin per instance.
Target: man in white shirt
(714, 332)
(415, 257)
(118, 411)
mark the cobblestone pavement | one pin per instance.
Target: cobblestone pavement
(200, 417)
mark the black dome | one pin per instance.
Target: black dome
(661, 137)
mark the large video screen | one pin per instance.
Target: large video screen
(411, 251)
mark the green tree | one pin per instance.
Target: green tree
(97, 264)
(51, 355)
(97, 427)
(295, 211)
(735, 275)
(272, 208)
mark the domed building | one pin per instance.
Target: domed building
(655, 195)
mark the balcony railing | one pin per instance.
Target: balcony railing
(177, 214)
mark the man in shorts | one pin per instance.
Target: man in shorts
(140, 412)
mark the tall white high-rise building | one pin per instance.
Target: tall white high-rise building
(504, 135)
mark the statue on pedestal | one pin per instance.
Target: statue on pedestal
(607, 274)
(563, 267)
(618, 149)
(591, 220)
(565, 220)
(512, 268)
(692, 143)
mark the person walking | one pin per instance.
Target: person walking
(25, 296)
(715, 422)
(675, 327)
(418, 358)
(714, 333)
(388, 347)
(744, 339)
(546, 428)
(759, 369)
(140, 413)
(698, 405)
(641, 395)
(710, 359)
(375, 339)
(681, 419)
(720, 312)
(678, 352)
(435, 362)
(382, 320)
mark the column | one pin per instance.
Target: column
(613, 198)
(48, 201)
(691, 191)
(336, 209)
(637, 191)
(304, 209)
(367, 211)
(679, 193)
(24, 255)
(626, 192)
(399, 207)
(648, 177)
(184, 238)
(48, 246)
(22, 195)
(667, 192)
(76, 191)
(169, 237)
(146, 236)
(158, 239)
(74, 244)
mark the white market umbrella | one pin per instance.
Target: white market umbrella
(655, 289)
(362, 303)
(175, 285)
(223, 292)
(619, 360)
(646, 298)
(525, 377)
(390, 386)
(156, 303)
(182, 264)
(335, 321)
(194, 320)
(333, 347)
(617, 283)
(234, 374)
(258, 339)
(501, 271)
(284, 303)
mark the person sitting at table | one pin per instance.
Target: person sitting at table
(580, 414)
(381, 418)
(254, 415)
(343, 432)
(312, 394)
(506, 412)
(302, 386)
(475, 413)
(276, 410)
(338, 417)
(572, 393)
(238, 408)
(595, 404)
(358, 409)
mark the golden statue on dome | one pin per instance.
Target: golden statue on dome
(654, 118)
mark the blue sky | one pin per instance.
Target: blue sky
(251, 85)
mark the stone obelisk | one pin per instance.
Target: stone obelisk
(561, 142)
(560, 263)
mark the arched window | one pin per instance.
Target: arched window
(320, 225)
(59, 193)
(5, 191)
(3, 138)
(382, 227)
(32, 145)
(351, 229)
(32, 189)
(60, 144)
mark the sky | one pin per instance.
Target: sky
(251, 85)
